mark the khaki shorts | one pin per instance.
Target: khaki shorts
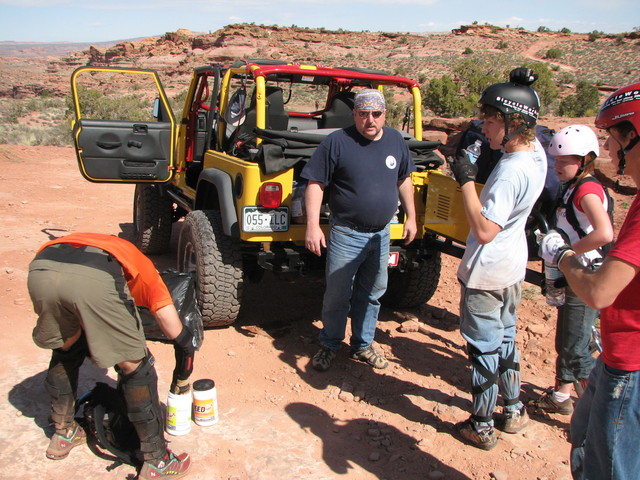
(84, 287)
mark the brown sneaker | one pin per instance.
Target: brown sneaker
(548, 404)
(61, 445)
(484, 440)
(512, 421)
(171, 466)
(322, 359)
(370, 356)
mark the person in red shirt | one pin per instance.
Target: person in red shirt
(85, 288)
(606, 422)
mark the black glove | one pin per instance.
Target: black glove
(463, 170)
(184, 347)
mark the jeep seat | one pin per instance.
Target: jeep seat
(340, 111)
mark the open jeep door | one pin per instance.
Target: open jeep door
(122, 138)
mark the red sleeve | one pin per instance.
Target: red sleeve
(585, 189)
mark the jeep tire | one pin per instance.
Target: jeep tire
(152, 219)
(415, 285)
(217, 261)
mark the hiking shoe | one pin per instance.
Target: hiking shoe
(548, 404)
(322, 359)
(61, 445)
(512, 421)
(370, 356)
(484, 440)
(171, 466)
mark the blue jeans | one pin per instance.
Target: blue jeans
(356, 275)
(488, 324)
(605, 426)
(573, 334)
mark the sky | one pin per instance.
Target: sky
(109, 20)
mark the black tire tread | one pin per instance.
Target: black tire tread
(413, 287)
(219, 275)
(153, 229)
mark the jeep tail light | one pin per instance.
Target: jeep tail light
(271, 195)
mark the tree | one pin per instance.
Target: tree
(583, 104)
(441, 95)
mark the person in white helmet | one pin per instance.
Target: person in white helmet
(583, 221)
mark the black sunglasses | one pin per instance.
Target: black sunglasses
(365, 113)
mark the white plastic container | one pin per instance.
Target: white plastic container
(178, 414)
(205, 402)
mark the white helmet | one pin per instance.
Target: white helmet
(574, 140)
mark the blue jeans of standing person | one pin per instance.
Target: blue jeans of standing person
(573, 336)
(605, 426)
(356, 277)
(488, 324)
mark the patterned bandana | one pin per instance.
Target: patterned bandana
(370, 100)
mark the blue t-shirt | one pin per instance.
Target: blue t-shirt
(362, 174)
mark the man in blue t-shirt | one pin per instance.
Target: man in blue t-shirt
(368, 168)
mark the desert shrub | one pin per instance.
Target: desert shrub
(502, 45)
(544, 85)
(593, 36)
(94, 104)
(468, 51)
(441, 95)
(584, 103)
(543, 29)
(553, 53)
(565, 30)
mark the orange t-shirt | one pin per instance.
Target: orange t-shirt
(144, 281)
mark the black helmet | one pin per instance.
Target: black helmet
(514, 96)
(511, 98)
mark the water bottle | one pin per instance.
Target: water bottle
(474, 151)
(555, 295)
(297, 203)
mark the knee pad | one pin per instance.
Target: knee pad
(140, 391)
(492, 377)
(509, 363)
(61, 382)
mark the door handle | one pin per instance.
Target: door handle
(108, 145)
(134, 143)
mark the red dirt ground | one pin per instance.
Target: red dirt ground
(279, 418)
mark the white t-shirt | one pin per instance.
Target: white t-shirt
(507, 199)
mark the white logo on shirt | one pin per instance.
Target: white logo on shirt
(391, 162)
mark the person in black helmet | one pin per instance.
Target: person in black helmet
(494, 263)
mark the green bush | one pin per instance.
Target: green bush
(565, 30)
(468, 51)
(441, 95)
(593, 36)
(584, 103)
(553, 53)
(542, 29)
(93, 104)
(502, 45)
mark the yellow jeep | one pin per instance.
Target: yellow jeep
(228, 164)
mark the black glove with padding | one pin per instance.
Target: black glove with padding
(463, 170)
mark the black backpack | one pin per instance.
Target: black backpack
(108, 426)
(571, 214)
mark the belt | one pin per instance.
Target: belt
(360, 228)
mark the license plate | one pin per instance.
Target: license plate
(260, 219)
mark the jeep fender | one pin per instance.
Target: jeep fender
(215, 192)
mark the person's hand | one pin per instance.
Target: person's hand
(463, 170)
(553, 246)
(315, 240)
(184, 346)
